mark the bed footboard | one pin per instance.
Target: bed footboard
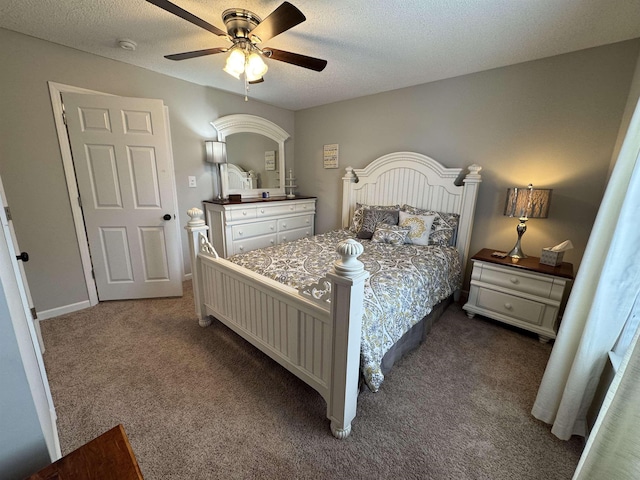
(317, 341)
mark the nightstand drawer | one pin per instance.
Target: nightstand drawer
(515, 307)
(292, 223)
(514, 280)
(253, 229)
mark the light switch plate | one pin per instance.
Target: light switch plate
(192, 182)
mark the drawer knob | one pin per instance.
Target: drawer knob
(240, 232)
(244, 212)
(307, 221)
(291, 207)
(271, 227)
(262, 210)
(284, 239)
(241, 248)
(508, 306)
(271, 241)
(284, 225)
(514, 280)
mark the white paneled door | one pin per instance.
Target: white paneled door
(121, 157)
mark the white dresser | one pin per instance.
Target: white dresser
(238, 227)
(528, 294)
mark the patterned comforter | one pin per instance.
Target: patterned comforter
(406, 282)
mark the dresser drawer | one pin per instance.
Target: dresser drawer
(271, 210)
(291, 235)
(242, 214)
(293, 223)
(306, 207)
(510, 305)
(243, 246)
(248, 230)
(514, 280)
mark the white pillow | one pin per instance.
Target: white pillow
(420, 227)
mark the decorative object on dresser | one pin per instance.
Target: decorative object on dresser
(238, 227)
(315, 329)
(216, 154)
(290, 186)
(526, 203)
(527, 294)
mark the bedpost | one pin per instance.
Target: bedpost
(469, 197)
(347, 197)
(195, 227)
(347, 296)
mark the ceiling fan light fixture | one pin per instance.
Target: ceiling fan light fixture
(255, 67)
(235, 63)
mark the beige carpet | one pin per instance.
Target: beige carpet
(203, 404)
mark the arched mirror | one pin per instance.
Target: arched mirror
(255, 155)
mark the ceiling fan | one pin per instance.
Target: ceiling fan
(246, 31)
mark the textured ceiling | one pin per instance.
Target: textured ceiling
(370, 46)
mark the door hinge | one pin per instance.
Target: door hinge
(33, 313)
(79, 201)
(8, 213)
(64, 117)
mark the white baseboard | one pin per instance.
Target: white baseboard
(55, 312)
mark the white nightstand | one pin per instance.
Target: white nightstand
(526, 294)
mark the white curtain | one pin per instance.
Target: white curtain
(614, 443)
(601, 301)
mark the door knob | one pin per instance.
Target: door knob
(24, 256)
(167, 216)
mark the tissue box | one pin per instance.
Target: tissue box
(549, 257)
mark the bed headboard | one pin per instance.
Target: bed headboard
(418, 180)
(240, 179)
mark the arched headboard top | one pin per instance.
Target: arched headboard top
(418, 180)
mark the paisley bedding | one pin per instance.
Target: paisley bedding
(406, 282)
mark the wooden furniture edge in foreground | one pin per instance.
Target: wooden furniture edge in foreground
(107, 457)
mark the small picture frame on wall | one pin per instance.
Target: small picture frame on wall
(330, 155)
(270, 160)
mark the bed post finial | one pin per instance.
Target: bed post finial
(347, 297)
(349, 264)
(194, 228)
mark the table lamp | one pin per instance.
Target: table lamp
(526, 203)
(216, 154)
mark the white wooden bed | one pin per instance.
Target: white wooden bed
(319, 341)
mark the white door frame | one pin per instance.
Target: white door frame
(55, 91)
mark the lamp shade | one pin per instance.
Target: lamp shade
(216, 151)
(528, 202)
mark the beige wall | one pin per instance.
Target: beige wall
(31, 165)
(551, 122)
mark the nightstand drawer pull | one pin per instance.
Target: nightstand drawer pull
(508, 306)
(514, 280)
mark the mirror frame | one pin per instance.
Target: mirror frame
(243, 123)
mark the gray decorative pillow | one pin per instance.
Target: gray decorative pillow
(444, 225)
(356, 222)
(372, 217)
(392, 234)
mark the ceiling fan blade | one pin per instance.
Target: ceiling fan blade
(253, 82)
(196, 53)
(280, 20)
(296, 59)
(189, 17)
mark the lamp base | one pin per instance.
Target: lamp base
(516, 251)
